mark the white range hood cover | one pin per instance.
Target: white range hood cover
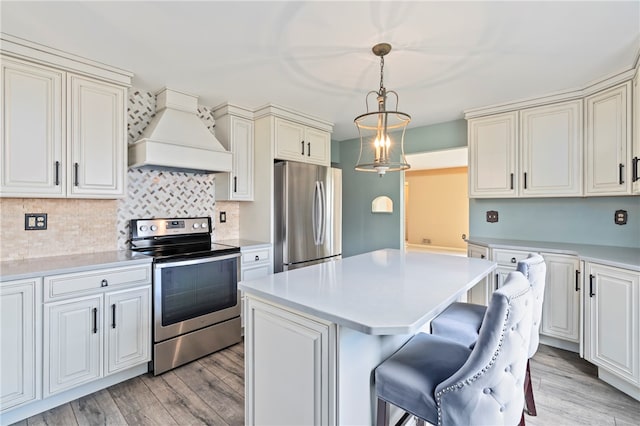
(177, 139)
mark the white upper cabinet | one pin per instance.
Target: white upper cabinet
(551, 150)
(492, 156)
(33, 132)
(63, 131)
(97, 138)
(302, 143)
(608, 142)
(234, 129)
(635, 161)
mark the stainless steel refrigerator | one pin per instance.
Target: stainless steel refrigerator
(308, 215)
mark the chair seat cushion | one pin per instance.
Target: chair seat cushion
(409, 377)
(460, 322)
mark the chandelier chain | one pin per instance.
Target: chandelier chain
(381, 73)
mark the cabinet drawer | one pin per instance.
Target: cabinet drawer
(75, 284)
(509, 257)
(255, 273)
(255, 256)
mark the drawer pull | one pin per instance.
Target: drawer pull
(113, 316)
(257, 258)
(95, 320)
(104, 283)
(513, 260)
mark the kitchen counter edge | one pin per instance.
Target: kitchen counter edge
(54, 265)
(621, 257)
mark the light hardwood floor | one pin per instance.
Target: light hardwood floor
(211, 391)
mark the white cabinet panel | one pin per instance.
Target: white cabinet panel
(297, 142)
(481, 292)
(72, 343)
(492, 156)
(561, 307)
(305, 366)
(19, 342)
(32, 111)
(129, 328)
(612, 303)
(551, 154)
(97, 138)
(635, 161)
(608, 137)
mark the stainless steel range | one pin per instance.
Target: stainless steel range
(196, 308)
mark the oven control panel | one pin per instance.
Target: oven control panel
(141, 228)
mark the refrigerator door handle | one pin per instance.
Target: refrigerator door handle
(315, 220)
(323, 214)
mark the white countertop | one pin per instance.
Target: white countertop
(381, 292)
(622, 257)
(51, 265)
(244, 244)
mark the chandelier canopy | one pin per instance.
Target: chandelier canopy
(378, 151)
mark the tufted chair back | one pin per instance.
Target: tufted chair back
(535, 270)
(488, 388)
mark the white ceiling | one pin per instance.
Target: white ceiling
(315, 56)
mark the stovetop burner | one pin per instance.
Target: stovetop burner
(170, 238)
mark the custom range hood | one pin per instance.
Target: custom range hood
(176, 139)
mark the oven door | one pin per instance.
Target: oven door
(195, 293)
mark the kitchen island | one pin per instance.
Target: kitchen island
(314, 335)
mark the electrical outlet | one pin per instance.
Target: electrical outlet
(620, 217)
(492, 216)
(35, 221)
(223, 217)
(426, 241)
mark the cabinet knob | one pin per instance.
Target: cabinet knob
(104, 283)
(482, 256)
(257, 258)
(513, 260)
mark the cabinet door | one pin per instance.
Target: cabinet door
(290, 143)
(635, 164)
(242, 149)
(561, 305)
(97, 126)
(318, 146)
(481, 292)
(19, 342)
(305, 366)
(551, 155)
(128, 326)
(612, 322)
(32, 108)
(72, 343)
(492, 156)
(608, 137)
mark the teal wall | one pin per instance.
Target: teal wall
(576, 220)
(362, 230)
(335, 152)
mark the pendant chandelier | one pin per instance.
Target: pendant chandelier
(379, 152)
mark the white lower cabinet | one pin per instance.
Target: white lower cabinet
(612, 325)
(20, 348)
(287, 347)
(255, 263)
(481, 292)
(561, 307)
(105, 329)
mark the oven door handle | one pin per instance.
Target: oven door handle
(207, 259)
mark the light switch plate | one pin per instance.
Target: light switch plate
(223, 217)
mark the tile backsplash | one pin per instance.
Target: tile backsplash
(105, 223)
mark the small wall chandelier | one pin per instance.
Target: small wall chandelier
(378, 152)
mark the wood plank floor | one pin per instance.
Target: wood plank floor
(210, 391)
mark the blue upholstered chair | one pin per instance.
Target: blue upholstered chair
(461, 321)
(447, 383)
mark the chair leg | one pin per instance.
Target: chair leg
(522, 420)
(529, 403)
(383, 413)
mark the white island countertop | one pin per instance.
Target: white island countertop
(381, 293)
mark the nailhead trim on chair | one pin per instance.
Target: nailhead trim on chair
(468, 381)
